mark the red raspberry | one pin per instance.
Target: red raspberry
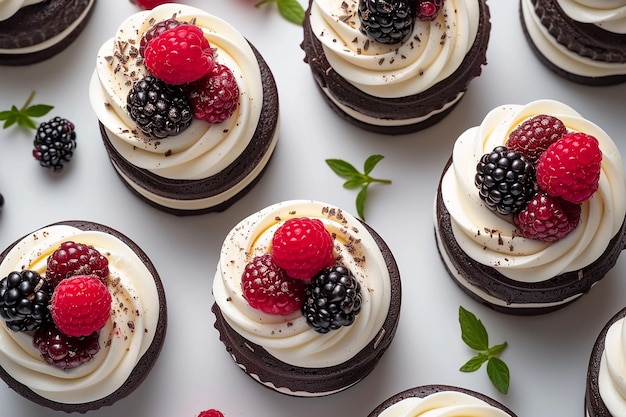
(302, 247)
(72, 258)
(179, 55)
(64, 351)
(215, 97)
(155, 30)
(428, 10)
(267, 287)
(570, 167)
(533, 136)
(210, 413)
(150, 4)
(80, 305)
(547, 218)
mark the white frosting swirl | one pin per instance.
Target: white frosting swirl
(612, 373)
(443, 404)
(289, 338)
(203, 149)
(430, 54)
(9, 7)
(568, 60)
(123, 340)
(609, 15)
(490, 239)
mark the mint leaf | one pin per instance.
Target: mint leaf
(291, 10)
(473, 332)
(37, 110)
(356, 179)
(23, 116)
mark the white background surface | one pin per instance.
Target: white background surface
(547, 355)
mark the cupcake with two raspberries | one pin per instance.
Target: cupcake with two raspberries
(530, 208)
(307, 298)
(83, 315)
(399, 66)
(188, 109)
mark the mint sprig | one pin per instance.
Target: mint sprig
(356, 179)
(23, 116)
(474, 334)
(289, 9)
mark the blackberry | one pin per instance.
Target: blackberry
(24, 299)
(506, 181)
(54, 143)
(62, 351)
(155, 30)
(332, 299)
(386, 21)
(159, 109)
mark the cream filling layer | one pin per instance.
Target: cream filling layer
(289, 338)
(491, 239)
(560, 55)
(609, 15)
(53, 40)
(612, 373)
(124, 339)
(203, 149)
(443, 404)
(430, 54)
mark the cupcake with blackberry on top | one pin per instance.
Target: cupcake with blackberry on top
(188, 109)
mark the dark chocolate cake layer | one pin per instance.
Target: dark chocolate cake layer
(488, 280)
(594, 406)
(426, 390)
(39, 22)
(409, 107)
(257, 362)
(258, 147)
(145, 364)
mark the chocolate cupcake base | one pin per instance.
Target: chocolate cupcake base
(314, 382)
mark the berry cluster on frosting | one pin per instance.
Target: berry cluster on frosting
(301, 272)
(65, 308)
(541, 177)
(184, 82)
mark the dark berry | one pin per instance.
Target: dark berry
(54, 143)
(332, 299)
(428, 10)
(159, 109)
(506, 181)
(62, 351)
(24, 300)
(214, 97)
(533, 136)
(73, 258)
(547, 218)
(155, 30)
(386, 21)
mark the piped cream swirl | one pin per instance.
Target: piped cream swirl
(432, 52)
(203, 149)
(491, 239)
(123, 340)
(609, 15)
(612, 374)
(443, 404)
(289, 338)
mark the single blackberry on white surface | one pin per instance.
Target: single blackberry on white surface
(54, 143)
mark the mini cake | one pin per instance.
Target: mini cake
(179, 163)
(409, 78)
(318, 335)
(604, 393)
(519, 228)
(446, 400)
(78, 369)
(35, 30)
(581, 40)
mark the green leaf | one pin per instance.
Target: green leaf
(360, 202)
(23, 116)
(497, 349)
(38, 110)
(4, 115)
(291, 10)
(371, 162)
(474, 363)
(354, 183)
(342, 168)
(473, 331)
(499, 374)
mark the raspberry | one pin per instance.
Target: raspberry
(64, 351)
(80, 305)
(266, 287)
(155, 30)
(428, 10)
(547, 218)
(150, 4)
(54, 143)
(210, 413)
(533, 136)
(215, 97)
(302, 247)
(570, 167)
(179, 55)
(72, 258)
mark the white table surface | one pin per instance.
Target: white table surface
(547, 355)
